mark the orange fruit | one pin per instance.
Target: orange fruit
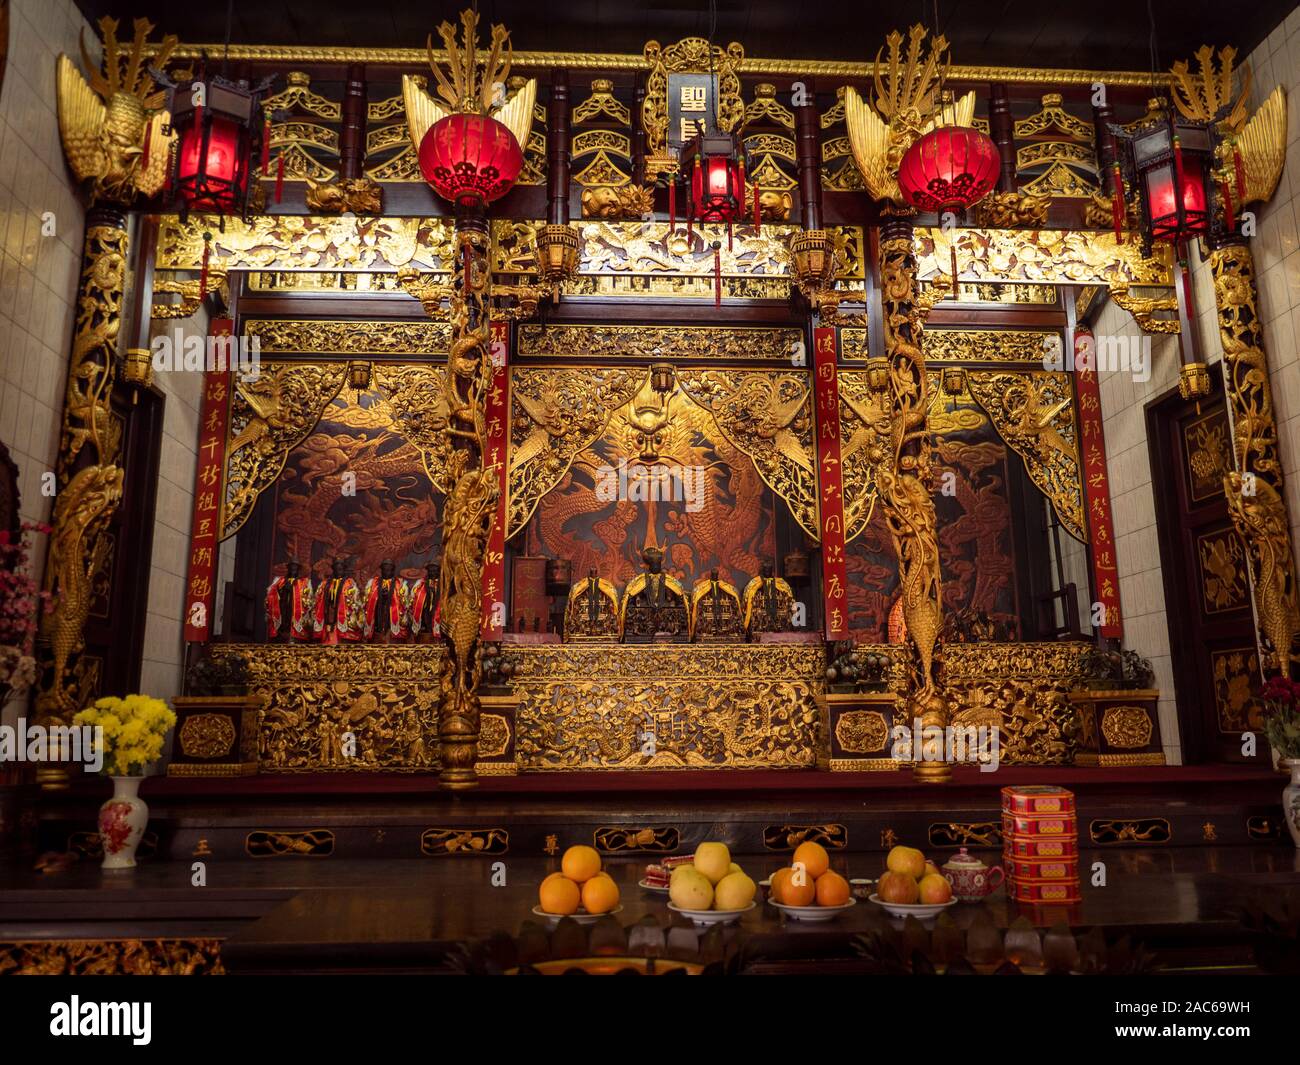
(580, 863)
(600, 894)
(832, 889)
(778, 884)
(559, 894)
(814, 857)
(799, 891)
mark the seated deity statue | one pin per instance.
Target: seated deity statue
(592, 610)
(384, 611)
(290, 605)
(338, 607)
(715, 610)
(655, 607)
(423, 604)
(769, 603)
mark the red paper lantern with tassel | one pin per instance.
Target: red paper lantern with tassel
(951, 168)
(470, 158)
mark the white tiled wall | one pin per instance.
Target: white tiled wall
(38, 274)
(160, 673)
(1137, 551)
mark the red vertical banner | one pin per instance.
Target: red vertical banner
(497, 415)
(1096, 484)
(830, 483)
(209, 490)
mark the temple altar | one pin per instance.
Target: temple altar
(571, 486)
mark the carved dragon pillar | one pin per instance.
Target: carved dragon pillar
(1254, 489)
(470, 506)
(905, 484)
(106, 116)
(1251, 153)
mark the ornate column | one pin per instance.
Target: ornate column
(905, 486)
(471, 502)
(88, 474)
(105, 115)
(352, 133)
(1002, 130)
(1254, 490)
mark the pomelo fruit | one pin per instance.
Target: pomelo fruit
(713, 860)
(691, 890)
(735, 891)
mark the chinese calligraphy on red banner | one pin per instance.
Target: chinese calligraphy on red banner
(1096, 485)
(209, 489)
(830, 484)
(492, 623)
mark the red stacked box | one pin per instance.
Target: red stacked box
(1040, 844)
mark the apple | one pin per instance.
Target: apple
(907, 860)
(897, 887)
(935, 888)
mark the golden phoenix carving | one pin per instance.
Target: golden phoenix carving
(105, 122)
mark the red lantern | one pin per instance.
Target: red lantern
(1171, 162)
(470, 159)
(717, 178)
(949, 169)
(216, 142)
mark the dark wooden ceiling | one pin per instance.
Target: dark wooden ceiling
(1087, 34)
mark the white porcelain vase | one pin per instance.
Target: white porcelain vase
(121, 823)
(1291, 799)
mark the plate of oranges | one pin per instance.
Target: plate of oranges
(581, 889)
(808, 889)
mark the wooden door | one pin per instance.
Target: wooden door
(1207, 586)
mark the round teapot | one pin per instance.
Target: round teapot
(970, 878)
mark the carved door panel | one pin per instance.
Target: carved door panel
(1207, 589)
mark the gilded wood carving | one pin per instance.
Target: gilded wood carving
(270, 414)
(1254, 489)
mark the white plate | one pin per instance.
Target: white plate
(813, 913)
(703, 918)
(582, 917)
(660, 889)
(920, 910)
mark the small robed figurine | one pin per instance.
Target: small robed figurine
(338, 606)
(715, 610)
(289, 605)
(654, 604)
(423, 610)
(385, 605)
(591, 612)
(769, 603)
